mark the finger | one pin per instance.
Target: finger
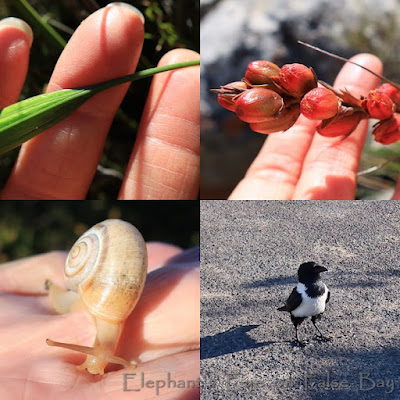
(179, 372)
(165, 161)
(28, 275)
(186, 256)
(60, 163)
(165, 321)
(15, 41)
(162, 254)
(167, 318)
(166, 374)
(396, 195)
(159, 252)
(29, 355)
(276, 170)
(330, 168)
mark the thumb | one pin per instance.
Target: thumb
(396, 195)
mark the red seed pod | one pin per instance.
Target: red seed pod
(387, 131)
(379, 105)
(260, 72)
(319, 103)
(257, 104)
(392, 92)
(340, 125)
(297, 79)
(226, 99)
(226, 102)
(282, 122)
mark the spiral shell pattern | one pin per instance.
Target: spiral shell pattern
(107, 267)
(81, 259)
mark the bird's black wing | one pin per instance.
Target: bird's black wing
(329, 296)
(293, 301)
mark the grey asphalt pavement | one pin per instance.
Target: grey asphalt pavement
(250, 252)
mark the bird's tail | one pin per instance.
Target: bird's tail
(282, 308)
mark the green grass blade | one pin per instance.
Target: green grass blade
(24, 120)
(43, 25)
(28, 118)
(98, 87)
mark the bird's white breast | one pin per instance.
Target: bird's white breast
(309, 306)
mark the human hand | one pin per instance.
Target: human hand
(162, 333)
(61, 163)
(300, 164)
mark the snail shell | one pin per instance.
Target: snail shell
(107, 267)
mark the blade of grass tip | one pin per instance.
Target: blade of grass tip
(44, 26)
(98, 87)
(349, 61)
(376, 167)
(60, 26)
(30, 117)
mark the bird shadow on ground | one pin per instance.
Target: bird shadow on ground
(291, 280)
(281, 280)
(231, 341)
(375, 279)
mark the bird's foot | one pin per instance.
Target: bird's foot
(324, 338)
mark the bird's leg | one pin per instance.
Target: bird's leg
(313, 320)
(299, 342)
(296, 322)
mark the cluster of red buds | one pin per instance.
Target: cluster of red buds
(271, 99)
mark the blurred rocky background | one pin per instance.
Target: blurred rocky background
(235, 32)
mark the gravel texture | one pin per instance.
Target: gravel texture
(250, 255)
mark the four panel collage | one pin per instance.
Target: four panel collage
(199, 199)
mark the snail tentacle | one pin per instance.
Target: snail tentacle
(106, 268)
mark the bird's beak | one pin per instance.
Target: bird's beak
(320, 268)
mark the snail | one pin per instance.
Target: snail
(106, 268)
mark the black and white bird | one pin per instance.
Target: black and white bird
(308, 298)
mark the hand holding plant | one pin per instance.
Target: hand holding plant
(300, 163)
(60, 163)
(271, 99)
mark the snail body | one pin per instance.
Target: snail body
(107, 268)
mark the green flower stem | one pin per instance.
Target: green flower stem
(30, 117)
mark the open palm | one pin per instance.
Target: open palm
(161, 334)
(300, 164)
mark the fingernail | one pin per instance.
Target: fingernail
(130, 6)
(18, 23)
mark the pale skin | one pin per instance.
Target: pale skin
(161, 335)
(61, 163)
(300, 164)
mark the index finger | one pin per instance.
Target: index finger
(274, 173)
(61, 162)
(330, 168)
(28, 275)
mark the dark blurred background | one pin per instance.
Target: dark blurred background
(32, 227)
(169, 24)
(233, 33)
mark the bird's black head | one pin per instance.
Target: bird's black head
(309, 272)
